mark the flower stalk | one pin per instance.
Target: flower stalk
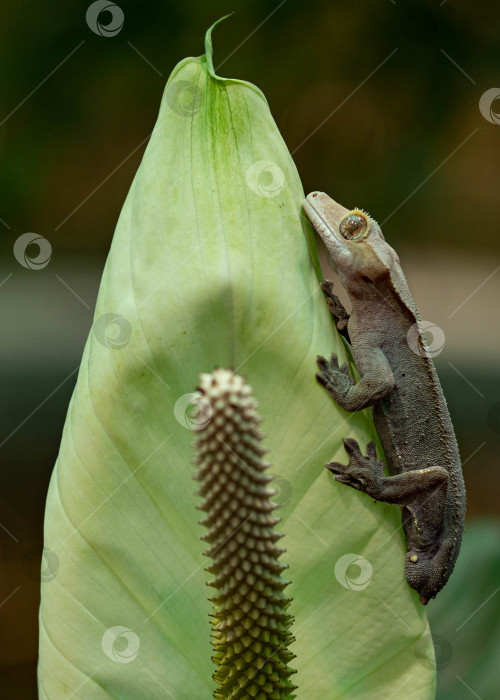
(250, 625)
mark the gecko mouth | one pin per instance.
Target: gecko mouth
(311, 211)
(319, 224)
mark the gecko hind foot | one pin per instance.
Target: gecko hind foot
(363, 472)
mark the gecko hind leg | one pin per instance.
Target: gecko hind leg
(363, 472)
(366, 473)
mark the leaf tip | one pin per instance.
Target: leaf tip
(209, 49)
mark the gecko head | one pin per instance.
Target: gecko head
(427, 571)
(354, 240)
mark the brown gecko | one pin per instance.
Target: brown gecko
(399, 382)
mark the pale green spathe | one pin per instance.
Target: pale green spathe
(209, 266)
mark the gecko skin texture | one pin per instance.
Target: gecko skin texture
(399, 382)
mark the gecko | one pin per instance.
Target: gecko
(399, 382)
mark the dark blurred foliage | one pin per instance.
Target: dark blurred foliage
(373, 151)
(397, 132)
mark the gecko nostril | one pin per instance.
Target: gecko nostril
(315, 194)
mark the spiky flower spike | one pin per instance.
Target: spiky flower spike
(250, 623)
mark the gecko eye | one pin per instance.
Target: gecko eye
(354, 226)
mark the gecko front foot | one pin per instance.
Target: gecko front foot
(363, 472)
(335, 305)
(335, 379)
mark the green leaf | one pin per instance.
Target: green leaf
(210, 265)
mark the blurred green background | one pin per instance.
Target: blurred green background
(379, 104)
